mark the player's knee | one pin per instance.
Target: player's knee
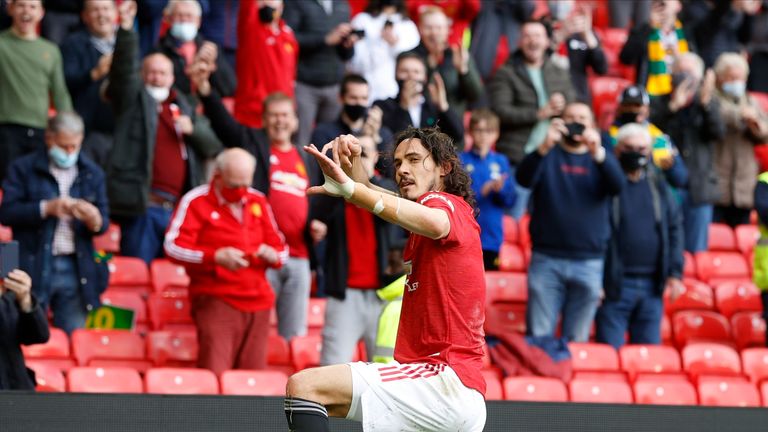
(300, 386)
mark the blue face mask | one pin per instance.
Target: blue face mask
(61, 158)
(184, 32)
(735, 89)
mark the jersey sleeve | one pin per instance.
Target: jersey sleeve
(440, 201)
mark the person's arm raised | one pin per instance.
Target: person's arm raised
(346, 152)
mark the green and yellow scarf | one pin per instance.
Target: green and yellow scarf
(659, 79)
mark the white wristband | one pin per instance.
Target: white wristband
(335, 188)
(379, 206)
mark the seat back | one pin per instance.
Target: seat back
(88, 345)
(57, 346)
(755, 363)
(732, 297)
(722, 391)
(598, 391)
(167, 274)
(166, 310)
(181, 381)
(663, 392)
(699, 326)
(104, 380)
(748, 329)
(535, 389)
(649, 359)
(710, 358)
(253, 382)
(172, 348)
(593, 357)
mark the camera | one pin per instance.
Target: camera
(359, 33)
(574, 129)
(9, 258)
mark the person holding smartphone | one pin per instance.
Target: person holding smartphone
(22, 321)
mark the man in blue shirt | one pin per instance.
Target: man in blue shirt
(492, 183)
(572, 179)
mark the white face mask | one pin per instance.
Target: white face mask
(735, 89)
(159, 94)
(185, 31)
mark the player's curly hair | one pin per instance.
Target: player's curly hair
(443, 151)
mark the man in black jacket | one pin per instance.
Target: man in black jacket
(22, 321)
(645, 254)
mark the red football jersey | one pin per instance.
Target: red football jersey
(444, 300)
(288, 183)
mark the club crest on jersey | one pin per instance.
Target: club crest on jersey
(256, 210)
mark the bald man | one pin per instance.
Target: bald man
(225, 235)
(160, 143)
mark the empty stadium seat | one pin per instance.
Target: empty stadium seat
(748, 329)
(127, 299)
(760, 98)
(535, 389)
(764, 393)
(593, 357)
(713, 267)
(506, 287)
(316, 313)
(726, 391)
(697, 295)
(510, 229)
(278, 351)
(710, 359)
(128, 271)
(598, 391)
(613, 40)
(511, 258)
(104, 380)
(700, 326)
(648, 359)
(755, 363)
(721, 238)
(493, 389)
(523, 231)
(501, 318)
(57, 347)
(181, 381)
(746, 238)
(88, 345)
(172, 348)
(305, 351)
(109, 241)
(168, 312)
(605, 90)
(167, 274)
(664, 392)
(689, 269)
(48, 378)
(253, 383)
(732, 297)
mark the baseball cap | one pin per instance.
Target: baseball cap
(635, 95)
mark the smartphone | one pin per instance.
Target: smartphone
(359, 33)
(388, 23)
(9, 258)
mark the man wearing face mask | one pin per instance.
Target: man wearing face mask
(645, 253)
(746, 125)
(160, 143)
(572, 179)
(267, 56)
(225, 235)
(357, 119)
(183, 45)
(55, 201)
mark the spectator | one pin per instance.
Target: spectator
(220, 27)
(652, 46)
(719, 25)
(756, 26)
(460, 12)
(24, 323)
(87, 58)
(284, 183)
(55, 201)
(357, 119)
(624, 13)
(267, 57)
(183, 44)
(492, 183)
(526, 93)
(454, 64)
(760, 264)
(745, 126)
(358, 260)
(31, 78)
(5, 20)
(61, 19)
(159, 143)
(325, 41)
(494, 31)
(149, 20)
(416, 107)
(645, 255)
(225, 235)
(691, 118)
(388, 32)
(572, 179)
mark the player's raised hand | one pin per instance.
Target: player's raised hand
(337, 182)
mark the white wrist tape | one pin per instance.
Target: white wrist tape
(379, 206)
(335, 188)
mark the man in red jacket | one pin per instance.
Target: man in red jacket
(226, 237)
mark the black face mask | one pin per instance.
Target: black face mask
(266, 14)
(355, 112)
(626, 117)
(632, 161)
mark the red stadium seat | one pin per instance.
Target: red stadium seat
(666, 331)
(167, 312)
(88, 345)
(523, 231)
(689, 270)
(699, 326)
(253, 383)
(713, 266)
(732, 297)
(664, 392)
(305, 351)
(596, 391)
(618, 376)
(278, 351)
(755, 363)
(510, 229)
(593, 357)
(172, 348)
(613, 40)
(605, 91)
(764, 393)
(506, 287)
(316, 313)
(648, 359)
(57, 347)
(746, 238)
(710, 359)
(127, 299)
(761, 98)
(511, 258)
(128, 271)
(493, 389)
(6, 234)
(104, 380)
(535, 389)
(748, 329)
(501, 318)
(697, 296)
(167, 274)
(181, 381)
(48, 378)
(727, 391)
(109, 241)
(721, 238)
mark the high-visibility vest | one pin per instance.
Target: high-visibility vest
(389, 320)
(760, 259)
